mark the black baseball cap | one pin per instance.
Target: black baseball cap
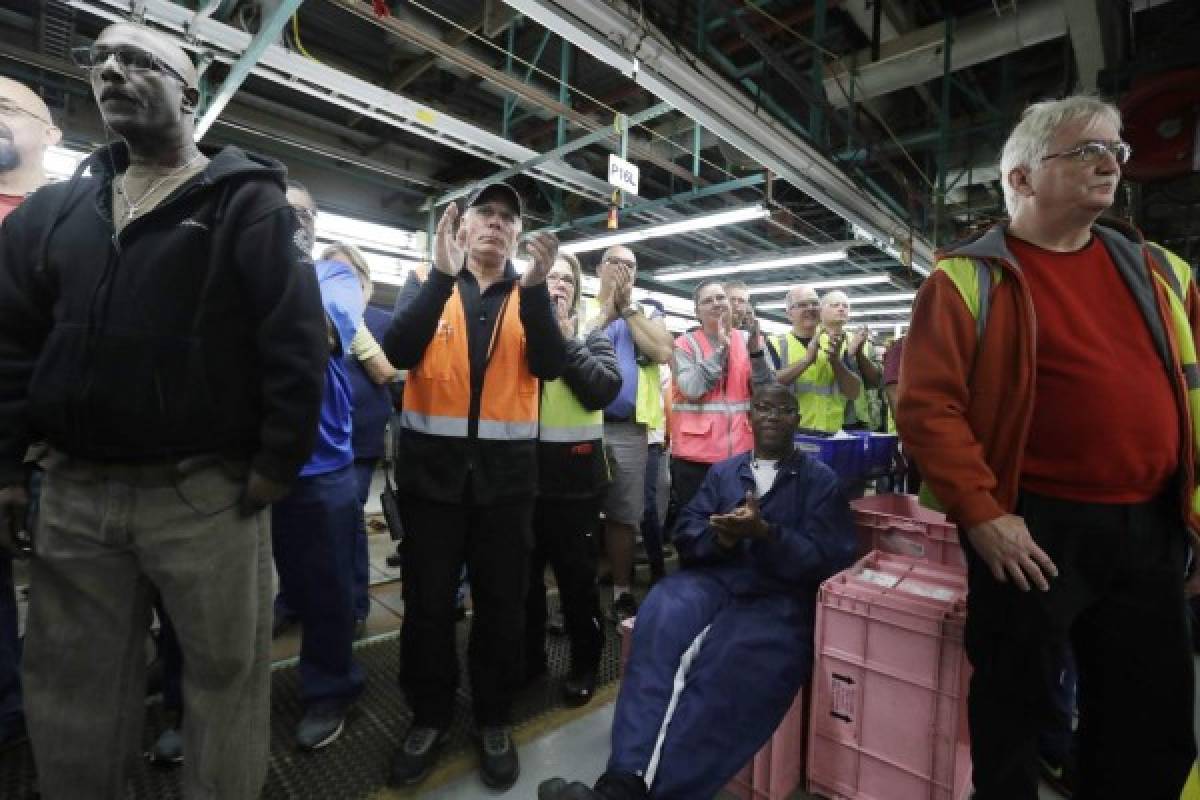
(498, 189)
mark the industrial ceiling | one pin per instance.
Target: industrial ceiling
(869, 128)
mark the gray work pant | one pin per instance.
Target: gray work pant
(106, 536)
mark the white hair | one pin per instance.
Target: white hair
(835, 294)
(1030, 139)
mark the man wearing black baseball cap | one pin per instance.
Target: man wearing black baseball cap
(476, 339)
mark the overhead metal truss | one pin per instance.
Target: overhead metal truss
(616, 35)
(227, 44)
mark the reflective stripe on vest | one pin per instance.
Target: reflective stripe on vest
(721, 408)
(717, 425)
(975, 281)
(437, 395)
(564, 419)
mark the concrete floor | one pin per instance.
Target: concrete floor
(578, 750)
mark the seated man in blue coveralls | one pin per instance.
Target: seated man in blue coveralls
(721, 647)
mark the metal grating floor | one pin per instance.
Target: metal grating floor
(357, 763)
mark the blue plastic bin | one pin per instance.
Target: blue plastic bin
(881, 451)
(846, 457)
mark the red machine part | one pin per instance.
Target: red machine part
(1161, 116)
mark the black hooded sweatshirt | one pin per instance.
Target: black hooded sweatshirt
(199, 329)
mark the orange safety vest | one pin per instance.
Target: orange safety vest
(717, 426)
(437, 396)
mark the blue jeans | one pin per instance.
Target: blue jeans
(313, 532)
(364, 470)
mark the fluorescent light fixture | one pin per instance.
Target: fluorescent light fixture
(887, 325)
(859, 300)
(689, 225)
(899, 297)
(879, 312)
(833, 283)
(795, 260)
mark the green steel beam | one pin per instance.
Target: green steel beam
(551, 155)
(662, 202)
(268, 32)
(779, 112)
(509, 101)
(700, 30)
(564, 96)
(537, 56)
(816, 115)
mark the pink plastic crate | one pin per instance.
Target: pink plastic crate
(777, 770)
(897, 523)
(890, 683)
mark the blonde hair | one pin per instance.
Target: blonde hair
(349, 254)
(577, 271)
(1030, 139)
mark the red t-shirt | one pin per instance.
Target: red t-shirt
(8, 202)
(1106, 425)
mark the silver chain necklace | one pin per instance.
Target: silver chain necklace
(133, 206)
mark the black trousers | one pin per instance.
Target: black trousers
(1118, 600)
(686, 479)
(494, 542)
(562, 537)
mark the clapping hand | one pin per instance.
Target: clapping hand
(566, 319)
(744, 522)
(753, 334)
(543, 251)
(450, 243)
(834, 348)
(858, 340)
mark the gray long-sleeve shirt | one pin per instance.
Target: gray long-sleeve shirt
(696, 376)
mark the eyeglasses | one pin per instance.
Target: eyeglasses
(772, 410)
(1091, 152)
(805, 304)
(10, 109)
(712, 300)
(620, 262)
(131, 58)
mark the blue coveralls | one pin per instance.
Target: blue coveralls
(721, 647)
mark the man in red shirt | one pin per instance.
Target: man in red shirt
(1045, 392)
(26, 130)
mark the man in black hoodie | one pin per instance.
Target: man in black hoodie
(162, 331)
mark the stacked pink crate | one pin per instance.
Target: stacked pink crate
(897, 523)
(888, 713)
(777, 770)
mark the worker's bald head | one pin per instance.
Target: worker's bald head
(153, 42)
(26, 130)
(145, 86)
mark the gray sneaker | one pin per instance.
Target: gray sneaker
(321, 725)
(417, 756)
(168, 749)
(498, 764)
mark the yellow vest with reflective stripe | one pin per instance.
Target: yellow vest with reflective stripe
(974, 280)
(821, 404)
(564, 419)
